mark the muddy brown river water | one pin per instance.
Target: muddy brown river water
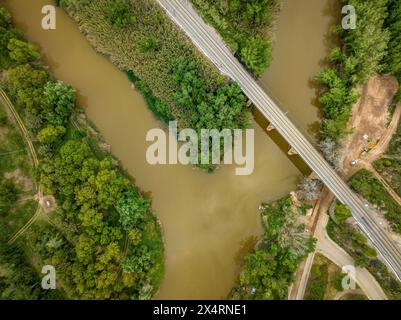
(209, 221)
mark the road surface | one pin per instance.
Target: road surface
(210, 43)
(335, 253)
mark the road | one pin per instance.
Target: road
(213, 47)
(336, 254)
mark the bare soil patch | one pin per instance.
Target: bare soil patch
(48, 203)
(370, 119)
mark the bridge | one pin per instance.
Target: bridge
(213, 47)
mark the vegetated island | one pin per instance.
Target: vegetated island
(177, 81)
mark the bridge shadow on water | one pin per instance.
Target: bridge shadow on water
(280, 142)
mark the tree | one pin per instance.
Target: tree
(60, 100)
(148, 44)
(342, 213)
(140, 261)
(132, 208)
(51, 134)
(222, 108)
(6, 34)
(256, 53)
(84, 249)
(118, 13)
(26, 84)
(368, 42)
(109, 185)
(22, 52)
(108, 265)
(5, 18)
(257, 11)
(91, 220)
(393, 24)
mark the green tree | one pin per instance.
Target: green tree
(118, 13)
(257, 11)
(60, 100)
(5, 18)
(393, 23)
(368, 42)
(22, 52)
(26, 84)
(51, 134)
(7, 33)
(256, 53)
(148, 44)
(342, 213)
(140, 261)
(132, 208)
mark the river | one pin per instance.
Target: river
(209, 221)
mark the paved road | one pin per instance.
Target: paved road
(210, 43)
(335, 253)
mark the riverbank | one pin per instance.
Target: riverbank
(102, 222)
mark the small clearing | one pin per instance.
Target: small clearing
(370, 119)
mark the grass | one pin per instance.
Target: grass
(390, 166)
(354, 296)
(390, 170)
(14, 156)
(324, 281)
(21, 214)
(395, 144)
(18, 277)
(13, 153)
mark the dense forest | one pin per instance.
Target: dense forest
(352, 64)
(373, 47)
(246, 26)
(392, 60)
(268, 272)
(103, 239)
